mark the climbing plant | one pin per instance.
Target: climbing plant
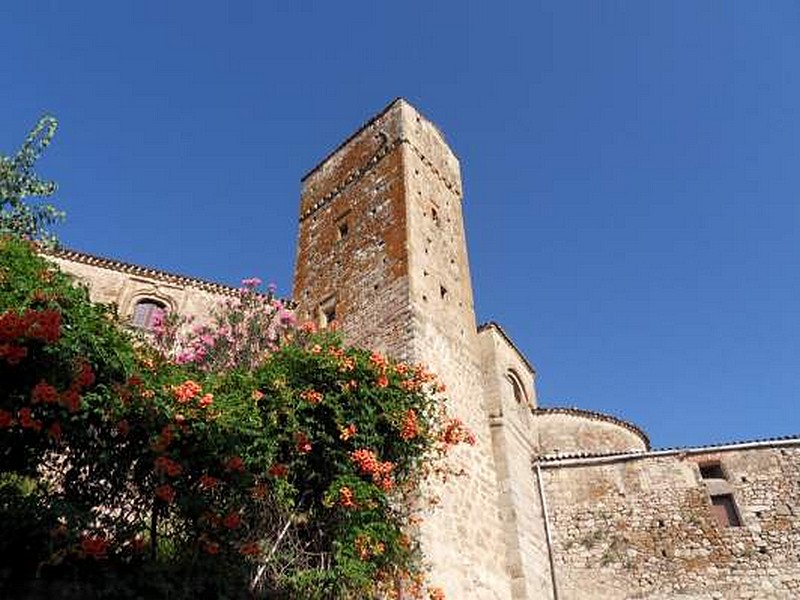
(131, 468)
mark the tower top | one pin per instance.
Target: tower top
(398, 127)
(401, 105)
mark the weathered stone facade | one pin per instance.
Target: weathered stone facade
(555, 502)
(641, 525)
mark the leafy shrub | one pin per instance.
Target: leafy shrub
(279, 464)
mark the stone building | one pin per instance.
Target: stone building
(556, 502)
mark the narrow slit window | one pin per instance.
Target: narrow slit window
(327, 314)
(435, 216)
(342, 229)
(443, 292)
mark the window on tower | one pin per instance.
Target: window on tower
(327, 314)
(435, 216)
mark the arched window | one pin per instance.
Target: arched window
(517, 388)
(147, 312)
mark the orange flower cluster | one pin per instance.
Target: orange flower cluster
(311, 396)
(436, 593)
(232, 520)
(186, 391)
(455, 432)
(250, 549)
(346, 433)
(207, 482)
(378, 360)
(211, 547)
(166, 493)
(278, 470)
(70, 399)
(42, 325)
(27, 421)
(235, 463)
(165, 465)
(410, 429)
(94, 546)
(366, 547)
(44, 392)
(259, 491)
(85, 376)
(302, 443)
(54, 431)
(347, 498)
(368, 463)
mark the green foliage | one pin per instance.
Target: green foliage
(18, 181)
(125, 473)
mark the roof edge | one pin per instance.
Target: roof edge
(596, 416)
(496, 326)
(133, 269)
(582, 459)
(349, 138)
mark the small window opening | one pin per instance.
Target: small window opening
(712, 471)
(517, 389)
(148, 314)
(327, 314)
(342, 229)
(723, 508)
(443, 292)
(435, 216)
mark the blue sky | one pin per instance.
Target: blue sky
(631, 169)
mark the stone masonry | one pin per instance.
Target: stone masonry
(555, 503)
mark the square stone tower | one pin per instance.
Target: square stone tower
(382, 253)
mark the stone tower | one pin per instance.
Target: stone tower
(382, 253)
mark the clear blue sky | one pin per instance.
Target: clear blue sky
(631, 169)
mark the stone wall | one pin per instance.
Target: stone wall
(510, 393)
(643, 526)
